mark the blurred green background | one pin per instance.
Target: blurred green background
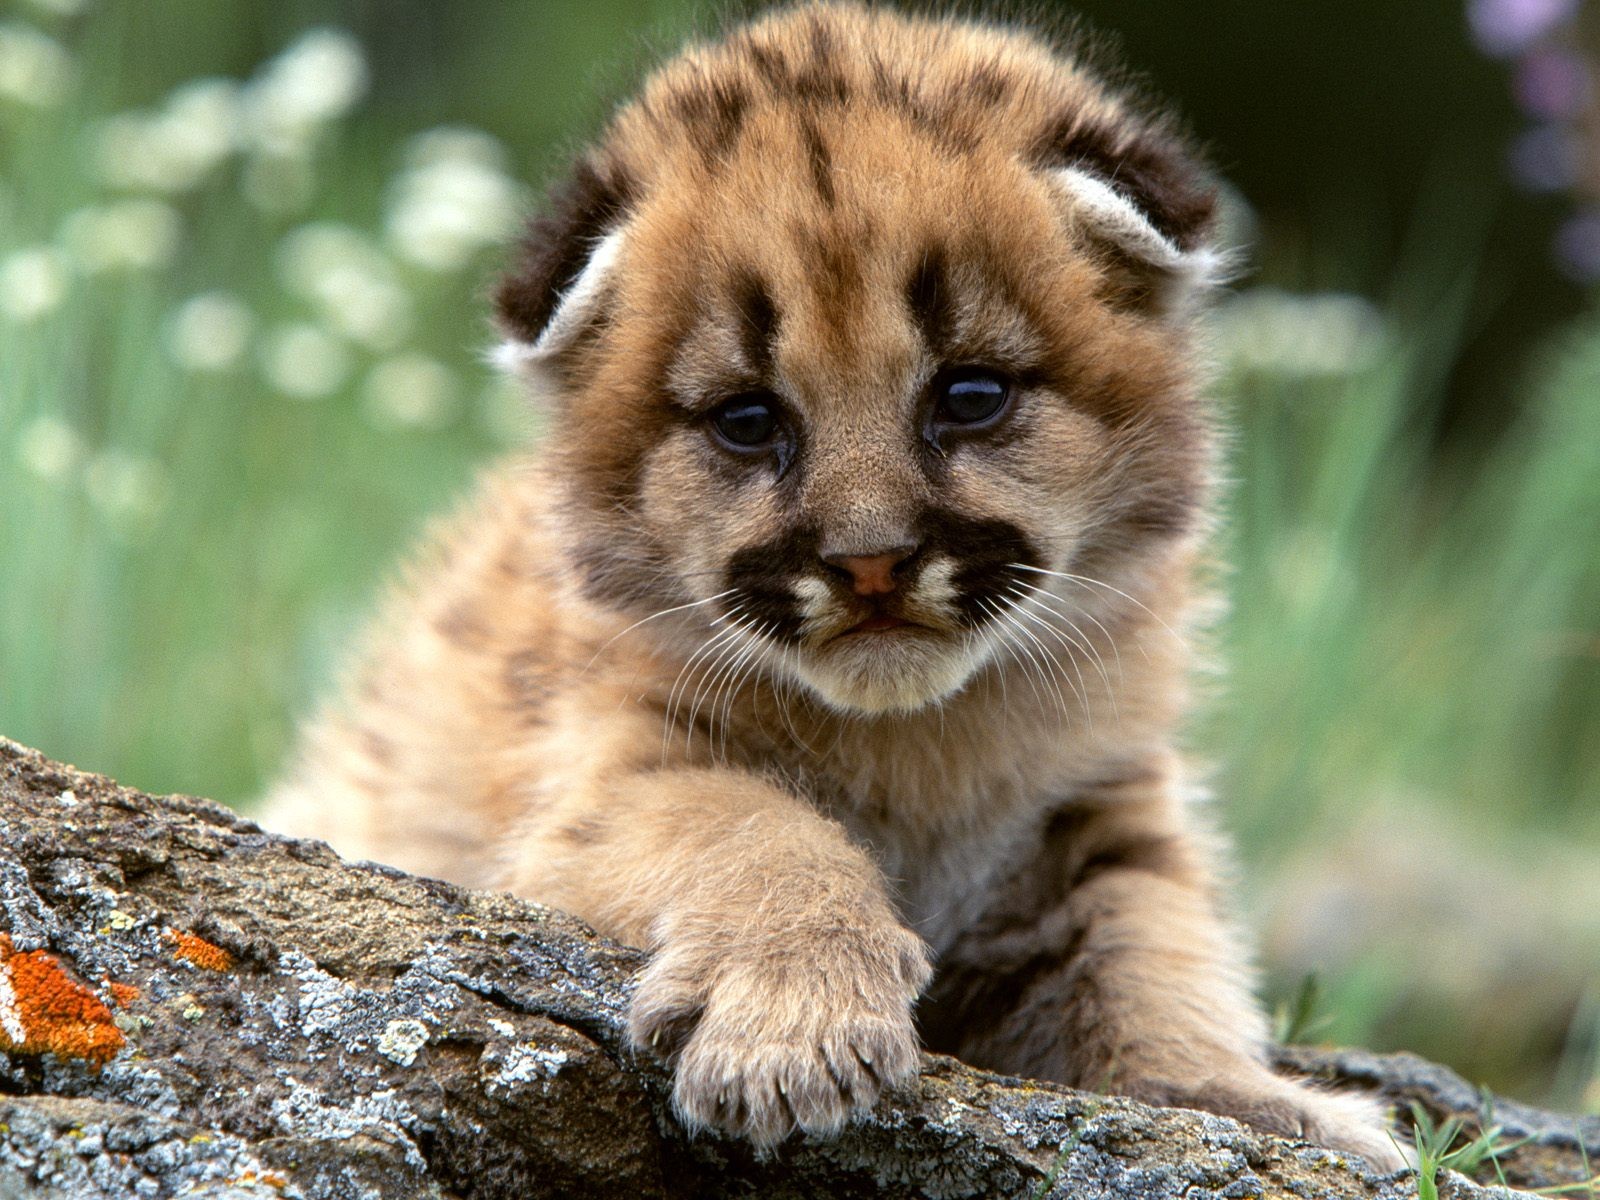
(243, 254)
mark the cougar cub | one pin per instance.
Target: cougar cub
(832, 643)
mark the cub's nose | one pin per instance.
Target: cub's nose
(871, 574)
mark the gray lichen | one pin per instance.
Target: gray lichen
(58, 1149)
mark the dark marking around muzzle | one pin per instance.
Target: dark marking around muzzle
(766, 576)
(984, 552)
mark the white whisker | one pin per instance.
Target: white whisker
(1080, 688)
(1085, 581)
(653, 616)
(743, 666)
(1045, 659)
(1004, 621)
(1087, 615)
(1078, 639)
(725, 662)
(712, 644)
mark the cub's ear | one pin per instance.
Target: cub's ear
(562, 277)
(1146, 202)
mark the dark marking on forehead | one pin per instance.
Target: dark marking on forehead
(1148, 166)
(929, 298)
(897, 93)
(888, 88)
(714, 114)
(815, 77)
(834, 269)
(758, 322)
(770, 65)
(820, 160)
(818, 78)
(823, 46)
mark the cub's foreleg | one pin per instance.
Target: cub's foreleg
(1104, 963)
(782, 981)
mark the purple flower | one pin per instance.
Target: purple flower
(1552, 83)
(1507, 27)
(1546, 158)
(1578, 246)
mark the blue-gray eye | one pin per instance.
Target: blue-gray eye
(747, 423)
(969, 396)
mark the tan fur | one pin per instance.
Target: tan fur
(626, 682)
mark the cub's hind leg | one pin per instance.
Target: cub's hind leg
(1104, 963)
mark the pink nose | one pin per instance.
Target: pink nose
(871, 574)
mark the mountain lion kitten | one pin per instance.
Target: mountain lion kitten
(833, 643)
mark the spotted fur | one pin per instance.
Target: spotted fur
(893, 696)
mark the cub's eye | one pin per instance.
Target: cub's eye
(969, 396)
(747, 423)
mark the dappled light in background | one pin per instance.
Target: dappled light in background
(242, 325)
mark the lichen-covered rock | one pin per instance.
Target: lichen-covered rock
(199, 1007)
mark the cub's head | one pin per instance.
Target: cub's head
(865, 332)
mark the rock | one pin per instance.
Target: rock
(190, 1005)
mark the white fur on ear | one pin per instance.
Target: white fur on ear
(1120, 222)
(575, 310)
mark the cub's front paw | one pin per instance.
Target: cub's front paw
(770, 1035)
(1294, 1109)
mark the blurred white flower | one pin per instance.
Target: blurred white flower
(209, 332)
(129, 491)
(455, 144)
(305, 361)
(34, 69)
(1330, 333)
(49, 448)
(410, 391)
(33, 282)
(350, 282)
(452, 199)
(61, 8)
(176, 148)
(126, 234)
(317, 79)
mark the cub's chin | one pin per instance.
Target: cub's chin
(898, 670)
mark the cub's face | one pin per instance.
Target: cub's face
(858, 393)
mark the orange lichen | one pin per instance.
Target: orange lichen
(269, 1179)
(198, 952)
(123, 994)
(44, 1010)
